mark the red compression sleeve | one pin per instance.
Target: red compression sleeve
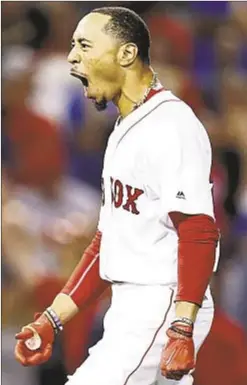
(197, 240)
(85, 285)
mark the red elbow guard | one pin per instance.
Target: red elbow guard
(85, 285)
(198, 238)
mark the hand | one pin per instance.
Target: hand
(43, 332)
(178, 354)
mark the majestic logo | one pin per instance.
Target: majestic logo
(123, 195)
(180, 195)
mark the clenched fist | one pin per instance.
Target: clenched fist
(178, 354)
(39, 349)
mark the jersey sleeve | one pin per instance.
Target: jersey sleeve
(182, 161)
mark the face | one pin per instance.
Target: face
(94, 59)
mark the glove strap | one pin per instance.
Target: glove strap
(53, 317)
(186, 326)
(183, 320)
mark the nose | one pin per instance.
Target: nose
(73, 57)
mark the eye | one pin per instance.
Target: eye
(84, 46)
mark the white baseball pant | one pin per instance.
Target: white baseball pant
(134, 333)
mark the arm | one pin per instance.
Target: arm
(83, 287)
(183, 162)
(197, 237)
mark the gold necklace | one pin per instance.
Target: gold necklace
(152, 85)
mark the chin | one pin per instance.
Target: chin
(101, 105)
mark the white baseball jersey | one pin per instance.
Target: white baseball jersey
(158, 160)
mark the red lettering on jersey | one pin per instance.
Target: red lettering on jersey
(117, 193)
(130, 205)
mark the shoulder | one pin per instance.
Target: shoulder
(171, 116)
(170, 108)
(175, 129)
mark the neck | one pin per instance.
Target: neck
(136, 83)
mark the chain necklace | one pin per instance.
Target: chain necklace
(154, 82)
(152, 85)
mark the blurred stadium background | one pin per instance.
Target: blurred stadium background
(53, 142)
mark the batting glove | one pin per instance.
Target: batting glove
(35, 341)
(178, 354)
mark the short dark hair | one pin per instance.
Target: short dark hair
(127, 26)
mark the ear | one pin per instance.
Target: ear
(127, 54)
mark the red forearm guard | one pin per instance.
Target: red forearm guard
(85, 285)
(198, 237)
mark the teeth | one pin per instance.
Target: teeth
(81, 78)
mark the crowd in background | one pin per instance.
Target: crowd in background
(53, 141)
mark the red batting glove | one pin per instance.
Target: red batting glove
(178, 354)
(46, 332)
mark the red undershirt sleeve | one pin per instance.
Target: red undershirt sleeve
(85, 284)
(197, 240)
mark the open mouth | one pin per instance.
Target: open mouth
(81, 77)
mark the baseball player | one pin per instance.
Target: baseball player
(156, 239)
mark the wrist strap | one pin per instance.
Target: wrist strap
(55, 320)
(183, 320)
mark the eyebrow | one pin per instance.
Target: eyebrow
(82, 40)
